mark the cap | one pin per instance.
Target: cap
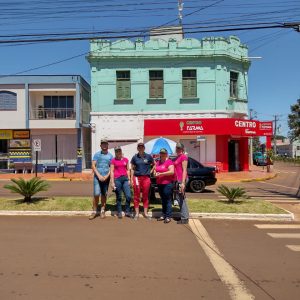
(163, 150)
(118, 148)
(141, 144)
(104, 141)
(179, 145)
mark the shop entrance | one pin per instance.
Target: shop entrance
(233, 156)
(3, 154)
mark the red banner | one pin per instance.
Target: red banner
(215, 126)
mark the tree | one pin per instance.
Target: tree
(256, 143)
(27, 188)
(294, 121)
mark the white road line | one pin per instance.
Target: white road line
(288, 172)
(288, 187)
(285, 235)
(236, 287)
(294, 247)
(277, 226)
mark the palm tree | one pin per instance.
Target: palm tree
(27, 188)
(232, 193)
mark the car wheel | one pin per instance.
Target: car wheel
(197, 186)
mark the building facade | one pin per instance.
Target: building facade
(285, 147)
(52, 109)
(192, 91)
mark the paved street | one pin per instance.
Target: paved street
(73, 258)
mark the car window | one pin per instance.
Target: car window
(193, 164)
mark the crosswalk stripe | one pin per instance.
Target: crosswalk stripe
(294, 247)
(285, 235)
(277, 226)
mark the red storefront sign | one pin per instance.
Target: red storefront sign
(218, 126)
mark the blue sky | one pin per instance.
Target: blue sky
(274, 80)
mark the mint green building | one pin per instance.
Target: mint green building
(136, 82)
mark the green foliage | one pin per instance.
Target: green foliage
(27, 188)
(294, 121)
(232, 193)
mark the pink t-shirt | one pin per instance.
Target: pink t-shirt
(164, 167)
(120, 167)
(178, 166)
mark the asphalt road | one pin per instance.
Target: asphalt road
(284, 186)
(74, 258)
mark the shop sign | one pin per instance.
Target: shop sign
(21, 134)
(216, 126)
(6, 134)
(201, 138)
(19, 144)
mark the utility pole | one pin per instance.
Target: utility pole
(275, 134)
(180, 10)
(252, 115)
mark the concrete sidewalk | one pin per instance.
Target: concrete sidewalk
(256, 173)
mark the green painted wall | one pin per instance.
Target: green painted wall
(213, 58)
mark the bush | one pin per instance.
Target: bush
(232, 193)
(27, 188)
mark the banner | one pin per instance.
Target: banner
(217, 126)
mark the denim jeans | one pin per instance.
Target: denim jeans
(121, 184)
(180, 197)
(165, 192)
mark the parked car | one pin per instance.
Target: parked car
(259, 159)
(199, 176)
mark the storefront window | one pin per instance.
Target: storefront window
(123, 85)
(189, 83)
(156, 84)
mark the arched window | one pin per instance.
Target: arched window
(8, 100)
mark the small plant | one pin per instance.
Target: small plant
(232, 193)
(27, 188)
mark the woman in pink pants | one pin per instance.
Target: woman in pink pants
(141, 164)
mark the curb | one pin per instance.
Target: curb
(231, 216)
(250, 180)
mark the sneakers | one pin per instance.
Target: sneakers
(93, 215)
(167, 220)
(102, 214)
(136, 217)
(176, 203)
(120, 216)
(183, 221)
(128, 215)
(161, 218)
(147, 217)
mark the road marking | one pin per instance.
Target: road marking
(277, 226)
(285, 235)
(288, 187)
(236, 287)
(288, 172)
(294, 247)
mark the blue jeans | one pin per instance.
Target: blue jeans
(121, 184)
(180, 197)
(165, 192)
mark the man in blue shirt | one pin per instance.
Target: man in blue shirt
(101, 168)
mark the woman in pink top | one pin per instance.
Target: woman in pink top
(180, 164)
(164, 173)
(120, 174)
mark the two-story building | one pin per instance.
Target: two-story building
(52, 109)
(189, 90)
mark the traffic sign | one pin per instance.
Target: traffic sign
(37, 145)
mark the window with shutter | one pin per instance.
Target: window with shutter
(123, 85)
(234, 76)
(156, 84)
(189, 83)
(8, 100)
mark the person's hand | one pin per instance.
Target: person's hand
(182, 187)
(101, 178)
(157, 174)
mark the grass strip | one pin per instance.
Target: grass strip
(85, 204)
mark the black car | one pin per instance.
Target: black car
(199, 177)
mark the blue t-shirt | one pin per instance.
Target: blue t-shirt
(142, 164)
(102, 162)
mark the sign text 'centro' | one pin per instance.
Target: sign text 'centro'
(245, 124)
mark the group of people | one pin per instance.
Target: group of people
(171, 175)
